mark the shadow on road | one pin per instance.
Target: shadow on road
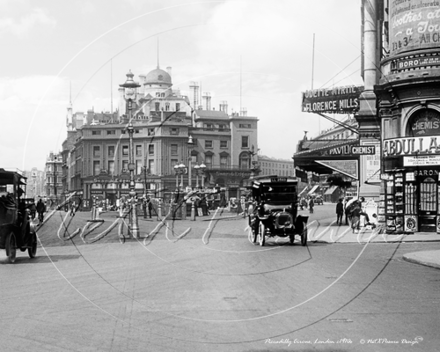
(42, 260)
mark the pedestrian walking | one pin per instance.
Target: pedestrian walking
(41, 209)
(339, 212)
(311, 205)
(150, 206)
(72, 208)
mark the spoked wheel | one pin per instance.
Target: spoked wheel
(11, 247)
(262, 234)
(304, 235)
(33, 250)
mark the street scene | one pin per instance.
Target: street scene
(211, 288)
(234, 175)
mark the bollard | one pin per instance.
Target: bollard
(193, 211)
(159, 210)
(183, 209)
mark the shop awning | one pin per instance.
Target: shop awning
(313, 190)
(300, 193)
(331, 190)
(317, 155)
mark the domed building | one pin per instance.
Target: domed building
(157, 77)
(156, 96)
(177, 145)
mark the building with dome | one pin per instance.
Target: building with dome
(212, 147)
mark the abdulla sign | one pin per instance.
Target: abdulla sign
(337, 100)
(411, 146)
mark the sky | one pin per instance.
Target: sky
(254, 54)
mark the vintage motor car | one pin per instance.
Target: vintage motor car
(275, 208)
(16, 229)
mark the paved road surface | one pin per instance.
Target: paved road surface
(210, 289)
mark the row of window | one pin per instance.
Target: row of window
(277, 172)
(113, 132)
(244, 163)
(157, 106)
(125, 150)
(275, 165)
(139, 167)
(209, 144)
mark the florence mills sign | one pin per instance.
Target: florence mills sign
(344, 100)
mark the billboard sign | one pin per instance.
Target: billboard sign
(337, 100)
(414, 25)
(411, 146)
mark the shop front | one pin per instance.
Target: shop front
(408, 104)
(411, 167)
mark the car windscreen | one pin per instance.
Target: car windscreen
(279, 193)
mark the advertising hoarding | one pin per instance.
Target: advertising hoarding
(337, 100)
(414, 25)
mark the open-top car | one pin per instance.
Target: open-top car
(16, 228)
(275, 207)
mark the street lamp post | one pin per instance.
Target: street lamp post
(255, 168)
(180, 170)
(200, 172)
(202, 168)
(190, 147)
(197, 168)
(130, 87)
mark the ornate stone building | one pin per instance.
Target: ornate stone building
(168, 131)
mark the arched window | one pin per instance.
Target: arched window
(244, 160)
(424, 122)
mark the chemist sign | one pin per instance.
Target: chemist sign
(337, 100)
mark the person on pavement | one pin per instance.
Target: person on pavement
(355, 216)
(339, 212)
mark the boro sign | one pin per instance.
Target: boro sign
(338, 100)
(415, 62)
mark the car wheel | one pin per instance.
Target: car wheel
(33, 250)
(304, 234)
(292, 238)
(262, 234)
(11, 247)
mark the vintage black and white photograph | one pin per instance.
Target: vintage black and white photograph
(219, 175)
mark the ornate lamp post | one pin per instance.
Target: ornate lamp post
(130, 89)
(180, 170)
(255, 168)
(197, 168)
(202, 168)
(190, 147)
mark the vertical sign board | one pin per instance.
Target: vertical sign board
(371, 164)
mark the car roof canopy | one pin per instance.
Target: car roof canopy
(11, 177)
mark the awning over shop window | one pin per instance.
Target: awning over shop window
(331, 190)
(313, 190)
(300, 193)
